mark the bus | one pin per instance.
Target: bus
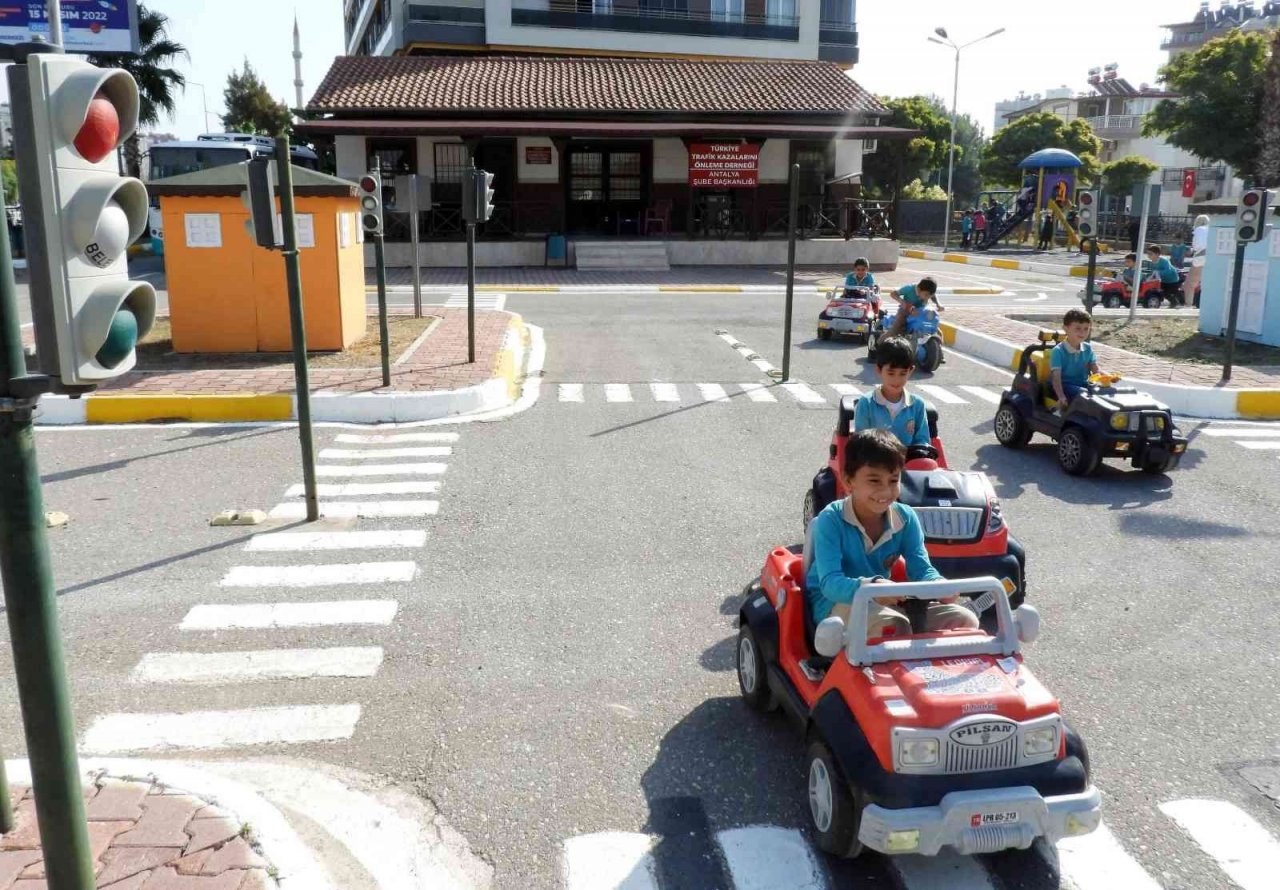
(204, 152)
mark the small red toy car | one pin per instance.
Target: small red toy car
(849, 310)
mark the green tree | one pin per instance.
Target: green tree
(1219, 112)
(250, 106)
(158, 82)
(1269, 155)
(1122, 176)
(920, 156)
(9, 174)
(971, 144)
(915, 190)
(1030, 134)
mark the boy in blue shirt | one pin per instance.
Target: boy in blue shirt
(861, 275)
(856, 541)
(1071, 361)
(912, 298)
(889, 406)
(1170, 282)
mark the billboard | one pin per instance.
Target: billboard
(88, 26)
(723, 165)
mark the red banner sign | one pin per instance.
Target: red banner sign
(723, 165)
(537, 154)
(1189, 183)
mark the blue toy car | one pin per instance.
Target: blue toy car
(922, 330)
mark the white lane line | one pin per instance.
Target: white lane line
(730, 339)
(763, 365)
(571, 392)
(665, 392)
(757, 393)
(399, 439)
(358, 509)
(985, 394)
(1242, 848)
(610, 860)
(1036, 299)
(713, 392)
(253, 666)
(946, 871)
(1240, 433)
(429, 469)
(942, 395)
(364, 489)
(288, 542)
(1097, 861)
(221, 729)
(762, 857)
(617, 392)
(268, 616)
(803, 394)
(384, 453)
(1261, 446)
(320, 575)
(846, 389)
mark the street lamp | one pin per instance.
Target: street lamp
(955, 96)
(205, 101)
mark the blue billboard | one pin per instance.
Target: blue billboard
(88, 26)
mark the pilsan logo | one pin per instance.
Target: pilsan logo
(976, 735)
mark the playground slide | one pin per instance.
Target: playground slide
(1010, 223)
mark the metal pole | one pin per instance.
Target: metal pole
(471, 292)
(1093, 273)
(413, 236)
(297, 326)
(31, 606)
(6, 805)
(55, 22)
(951, 157)
(380, 264)
(1141, 252)
(1237, 275)
(793, 212)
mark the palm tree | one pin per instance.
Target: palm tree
(157, 82)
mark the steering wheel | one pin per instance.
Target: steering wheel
(921, 452)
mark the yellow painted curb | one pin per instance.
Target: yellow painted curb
(505, 365)
(701, 288)
(1260, 404)
(914, 254)
(1006, 264)
(522, 288)
(948, 333)
(955, 258)
(976, 291)
(209, 408)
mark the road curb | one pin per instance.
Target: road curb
(967, 259)
(671, 289)
(1208, 402)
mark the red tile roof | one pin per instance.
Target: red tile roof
(588, 85)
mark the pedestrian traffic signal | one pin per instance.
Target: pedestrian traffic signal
(1087, 213)
(371, 203)
(1251, 215)
(263, 225)
(69, 118)
(484, 195)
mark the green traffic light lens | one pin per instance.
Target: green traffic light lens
(121, 340)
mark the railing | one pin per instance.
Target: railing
(443, 222)
(846, 218)
(1116, 123)
(600, 14)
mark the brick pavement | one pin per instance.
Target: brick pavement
(143, 836)
(1119, 361)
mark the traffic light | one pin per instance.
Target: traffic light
(371, 203)
(1087, 213)
(69, 118)
(477, 195)
(260, 198)
(1251, 215)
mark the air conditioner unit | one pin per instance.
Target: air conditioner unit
(869, 146)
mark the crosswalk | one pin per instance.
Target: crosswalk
(769, 857)
(362, 556)
(1262, 439)
(486, 300)
(796, 393)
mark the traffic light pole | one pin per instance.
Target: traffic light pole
(792, 212)
(380, 265)
(1093, 274)
(1237, 276)
(471, 292)
(293, 272)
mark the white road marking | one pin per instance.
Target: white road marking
(267, 616)
(610, 860)
(320, 575)
(286, 542)
(946, 871)
(221, 729)
(1036, 299)
(1097, 861)
(571, 392)
(713, 392)
(358, 509)
(1242, 848)
(398, 439)
(985, 394)
(617, 392)
(1240, 433)
(428, 469)
(763, 365)
(730, 339)
(253, 666)
(802, 393)
(384, 453)
(942, 395)
(665, 392)
(364, 489)
(846, 389)
(762, 857)
(756, 392)
(1261, 446)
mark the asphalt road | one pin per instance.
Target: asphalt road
(562, 664)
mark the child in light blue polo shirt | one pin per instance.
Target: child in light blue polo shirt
(889, 406)
(1071, 361)
(861, 275)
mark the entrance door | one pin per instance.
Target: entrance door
(607, 186)
(498, 156)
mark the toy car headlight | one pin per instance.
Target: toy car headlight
(1038, 742)
(995, 519)
(918, 752)
(1121, 420)
(1160, 423)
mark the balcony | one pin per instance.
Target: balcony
(653, 18)
(1185, 41)
(838, 41)
(1116, 126)
(444, 23)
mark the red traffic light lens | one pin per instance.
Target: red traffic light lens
(1250, 199)
(368, 184)
(1086, 199)
(100, 131)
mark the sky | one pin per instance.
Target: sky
(1046, 44)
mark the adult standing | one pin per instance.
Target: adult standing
(1199, 251)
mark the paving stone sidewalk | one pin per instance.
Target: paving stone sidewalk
(143, 836)
(1127, 364)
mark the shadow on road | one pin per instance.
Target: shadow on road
(1036, 466)
(121, 463)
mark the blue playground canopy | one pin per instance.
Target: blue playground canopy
(1058, 158)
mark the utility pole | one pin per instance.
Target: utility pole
(793, 211)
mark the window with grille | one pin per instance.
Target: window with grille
(625, 176)
(450, 159)
(726, 10)
(586, 176)
(780, 12)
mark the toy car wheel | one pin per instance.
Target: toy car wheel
(872, 340)
(751, 671)
(932, 355)
(808, 508)
(835, 809)
(1012, 429)
(1076, 453)
(1111, 302)
(1152, 302)
(1157, 467)
(824, 334)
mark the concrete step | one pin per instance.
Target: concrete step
(646, 255)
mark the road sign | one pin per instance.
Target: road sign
(88, 26)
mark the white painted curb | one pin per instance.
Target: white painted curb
(978, 259)
(61, 410)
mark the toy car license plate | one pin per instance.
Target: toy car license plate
(1006, 817)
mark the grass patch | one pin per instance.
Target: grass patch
(1177, 340)
(155, 352)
